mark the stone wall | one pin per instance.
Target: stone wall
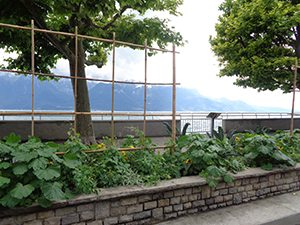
(148, 205)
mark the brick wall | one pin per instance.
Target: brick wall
(148, 205)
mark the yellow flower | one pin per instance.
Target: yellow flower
(237, 139)
(101, 146)
(188, 161)
(124, 154)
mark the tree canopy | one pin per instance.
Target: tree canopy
(129, 19)
(257, 41)
(95, 18)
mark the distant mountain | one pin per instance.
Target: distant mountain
(15, 94)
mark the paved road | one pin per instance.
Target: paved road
(278, 210)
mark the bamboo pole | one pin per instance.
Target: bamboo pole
(32, 76)
(119, 149)
(174, 96)
(84, 37)
(145, 87)
(86, 78)
(294, 97)
(75, 79)
(113, 88)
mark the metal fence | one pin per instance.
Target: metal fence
(199, 123)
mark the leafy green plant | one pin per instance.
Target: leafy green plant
(139, 141)
(31, 172)
(262, 151)
(178, 132)
(112, 169)
(212, 158)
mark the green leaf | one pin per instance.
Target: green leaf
(45, 203)
(264, 149)
(48, 173)
(12, 139)
(9, 201)
(24, 156)
(4, 181)
(20, 169)
(5, 148)
(53, 191)
(46, 152)
(21, 191)
(267, 166)
(228, 179)
(4, 165)
(39, 163)
(71, 160)
(251, 155)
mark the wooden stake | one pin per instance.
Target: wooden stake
(294, 97)
(32, 76)
(113, 88)
(75, 78)
(145, 87)
(174, 96)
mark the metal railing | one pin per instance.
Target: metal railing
(201, 124)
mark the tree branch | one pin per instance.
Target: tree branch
(62, 48)
(115, 17)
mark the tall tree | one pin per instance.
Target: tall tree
(92, 17)
(257, 42)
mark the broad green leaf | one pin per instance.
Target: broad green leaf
(5, 148)
(53, 191)
(4, 181)
(48, 173)
(71, 160)
(46, 152)
(21, 191)
(251, 155)
(9, 201)
(228, 179)
(39, 163)
(24, 156)
(20, 169)
(265, 149)
(45, 203)
(56, 158)
(12, 139)
(4, 165)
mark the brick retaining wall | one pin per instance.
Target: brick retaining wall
(148, 205)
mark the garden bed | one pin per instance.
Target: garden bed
(150, 204)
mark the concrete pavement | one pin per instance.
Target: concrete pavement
(278, 210)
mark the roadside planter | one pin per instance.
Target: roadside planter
(131, 205)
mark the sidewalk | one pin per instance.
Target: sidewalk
(278, 210)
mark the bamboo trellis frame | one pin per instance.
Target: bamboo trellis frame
(113, 81)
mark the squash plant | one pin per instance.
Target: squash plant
(31, 172)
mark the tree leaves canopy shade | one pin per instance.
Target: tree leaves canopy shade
(257, 42)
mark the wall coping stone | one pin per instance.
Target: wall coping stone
(128, 191)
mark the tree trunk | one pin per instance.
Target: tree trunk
(84, 124)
